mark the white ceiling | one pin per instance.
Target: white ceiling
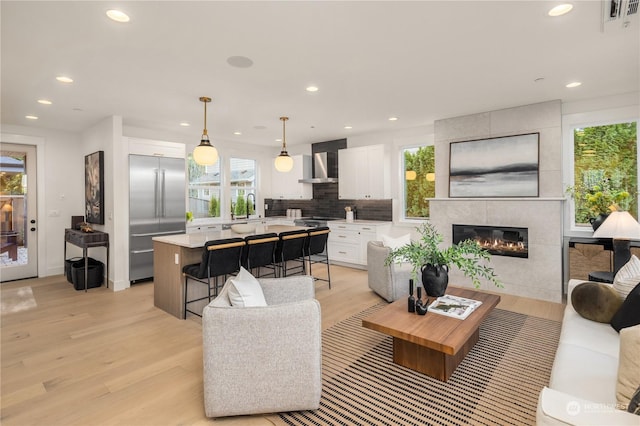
(419, 61)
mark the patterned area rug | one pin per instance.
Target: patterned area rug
(497, 383)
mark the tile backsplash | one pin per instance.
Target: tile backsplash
(325, 203)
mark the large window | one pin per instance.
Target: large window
(419, 181)
(605, 170)
(204, 189)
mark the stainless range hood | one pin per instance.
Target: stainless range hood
(323, 164)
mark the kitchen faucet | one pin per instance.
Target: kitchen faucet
(247, 204)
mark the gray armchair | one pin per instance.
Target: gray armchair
(263, 359)
(390, 282)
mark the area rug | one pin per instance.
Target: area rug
(497, 383)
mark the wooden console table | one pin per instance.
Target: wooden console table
(86, 240)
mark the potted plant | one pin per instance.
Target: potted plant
(600, 195)
(426, 256)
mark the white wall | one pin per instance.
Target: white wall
(61, 192)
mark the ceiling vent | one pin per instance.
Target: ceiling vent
(618, 14)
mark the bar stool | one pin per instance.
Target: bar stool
(219, 258)
(317, 247)
(290, 248)
(259, 252)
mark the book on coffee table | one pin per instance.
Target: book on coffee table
(454, 306)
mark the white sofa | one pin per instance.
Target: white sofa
(582, 386)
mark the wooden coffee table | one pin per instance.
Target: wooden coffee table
(432, 344)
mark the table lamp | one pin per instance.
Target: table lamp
(621, 227)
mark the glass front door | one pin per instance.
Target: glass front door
(18, 212)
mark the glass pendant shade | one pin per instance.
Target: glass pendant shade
(205, 154)
(283, 162)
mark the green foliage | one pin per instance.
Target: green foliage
(11, 184)
(214, 207)
(467, 256)
(422, 162)
(240, 208)
(605, 173)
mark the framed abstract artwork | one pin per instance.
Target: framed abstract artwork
(505, 166)
(94, 187)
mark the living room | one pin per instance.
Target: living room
(540, 104)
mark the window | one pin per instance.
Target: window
(204, 189)
(419, 181)
(605, 170)
(243, 186)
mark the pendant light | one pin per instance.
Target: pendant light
(283, 162)
(205, 154)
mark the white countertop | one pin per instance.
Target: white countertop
(198, 239)
(361, 222)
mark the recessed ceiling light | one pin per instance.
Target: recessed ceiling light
(117, 15)
(560, 9)
(64, 79)
(239, 61)
(312, 89)
(31, 117)
(574, 84)
(237, 133)
(44, 101)
(393, 118)
(185, 124)
(278, 140)
(348, 127)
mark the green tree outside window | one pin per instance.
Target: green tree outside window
(419, 166)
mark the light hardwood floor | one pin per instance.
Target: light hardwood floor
(102, 358)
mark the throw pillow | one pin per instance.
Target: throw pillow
(628, 365)
(627, 277)
(629, 313)
(634, 404)
(595, 301)
(245, 290)
(396, 243)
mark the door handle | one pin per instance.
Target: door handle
(33, 229)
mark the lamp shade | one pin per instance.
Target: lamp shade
(283, 162)
(619, 225)
(205, 154)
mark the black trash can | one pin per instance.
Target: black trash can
(95, 274)
(67, 267)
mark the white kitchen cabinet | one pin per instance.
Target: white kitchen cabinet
(348, 241)
(285, 186)
(363, 172)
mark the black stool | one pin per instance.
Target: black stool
(317, 251)
(291, 248)
(260, 252)
(221, 257)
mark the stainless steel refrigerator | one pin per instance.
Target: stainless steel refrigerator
(156, 207)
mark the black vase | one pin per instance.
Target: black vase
(435, 279)
(596, 222)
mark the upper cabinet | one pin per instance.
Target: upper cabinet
(363, 173)
(286, 186)
(156, 148)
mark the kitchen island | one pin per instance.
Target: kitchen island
(172, 252)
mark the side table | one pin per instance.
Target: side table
(86, 240)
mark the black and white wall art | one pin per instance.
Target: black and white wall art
(495, 167)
